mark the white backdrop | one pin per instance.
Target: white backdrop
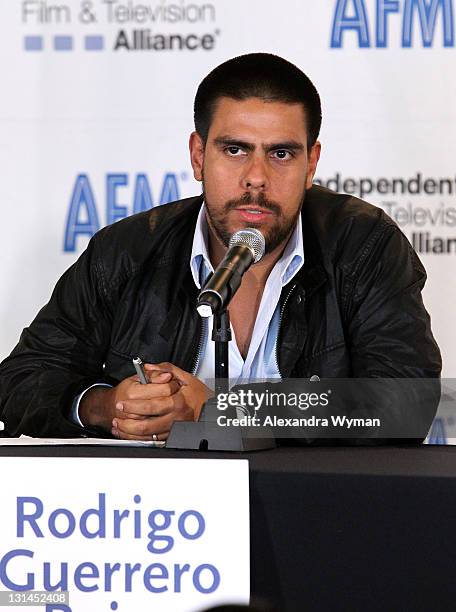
(94, 125)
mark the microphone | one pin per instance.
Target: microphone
(246, 247)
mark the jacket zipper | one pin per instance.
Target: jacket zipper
(200, 346)
(278, 329)
(204, 331)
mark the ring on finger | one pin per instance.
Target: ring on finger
(154, 437)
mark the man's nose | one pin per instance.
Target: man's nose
(255, 175)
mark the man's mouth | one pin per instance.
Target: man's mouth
(254, 211)
(248, 213)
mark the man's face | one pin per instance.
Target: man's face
(255, 167)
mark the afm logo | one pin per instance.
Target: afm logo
(83, 218)
(431, 18)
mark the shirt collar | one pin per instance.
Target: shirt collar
(289, 264)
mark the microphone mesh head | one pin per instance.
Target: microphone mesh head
(251, 238)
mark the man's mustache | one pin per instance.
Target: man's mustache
(248, 199)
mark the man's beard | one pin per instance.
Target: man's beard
(274, 236)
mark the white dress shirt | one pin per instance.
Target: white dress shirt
(261, 360)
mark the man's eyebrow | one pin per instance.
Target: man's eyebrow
(290, 145)
(228, 141)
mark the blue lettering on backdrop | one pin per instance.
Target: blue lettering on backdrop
(427, 11)
(383, 8)
(114, 212)
(353, 15)
(143, 198)
(83, 218)
(343, 21)
(170, 190)
(82, 203)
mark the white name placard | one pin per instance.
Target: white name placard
(126, 534)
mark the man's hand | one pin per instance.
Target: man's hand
(133, 411)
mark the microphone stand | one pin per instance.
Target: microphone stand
(221, 335)
(207, 434)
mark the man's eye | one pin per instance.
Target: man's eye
(282, 154)
(233, 151)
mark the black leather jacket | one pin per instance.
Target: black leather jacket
(353, 310)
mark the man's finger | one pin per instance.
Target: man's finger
(120, 414)
(150, 438)
(146, 408)
(166, 366)
(157, 376)
(151, 391)
(143, 427)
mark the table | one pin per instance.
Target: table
(340, 528)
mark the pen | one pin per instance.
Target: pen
(139, 367)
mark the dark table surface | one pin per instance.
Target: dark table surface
(339, 528)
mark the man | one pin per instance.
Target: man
(337, 294)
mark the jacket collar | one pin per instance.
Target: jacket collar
(311, 277)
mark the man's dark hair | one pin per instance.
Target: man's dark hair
(257, 75)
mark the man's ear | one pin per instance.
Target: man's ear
(314, 156)
(196, 146)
